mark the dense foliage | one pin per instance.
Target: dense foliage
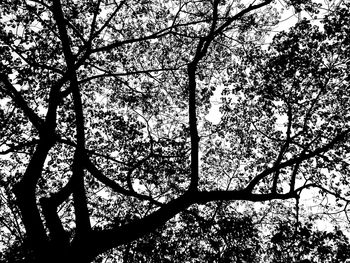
(105, 142)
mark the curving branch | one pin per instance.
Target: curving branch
(83, 225)
(96, 173)
(53, 222)
(16, 96)
(305, 155)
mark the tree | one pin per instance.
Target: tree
(103, 106)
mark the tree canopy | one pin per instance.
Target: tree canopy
(105, 141)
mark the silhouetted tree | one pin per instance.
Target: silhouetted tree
(103, 107)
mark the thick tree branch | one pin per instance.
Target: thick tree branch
(26, 197)
(106, 239)
(49, 205)
(193, 126)
(82, 218)
(58, 235)
(83, 225)
(201, 50)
